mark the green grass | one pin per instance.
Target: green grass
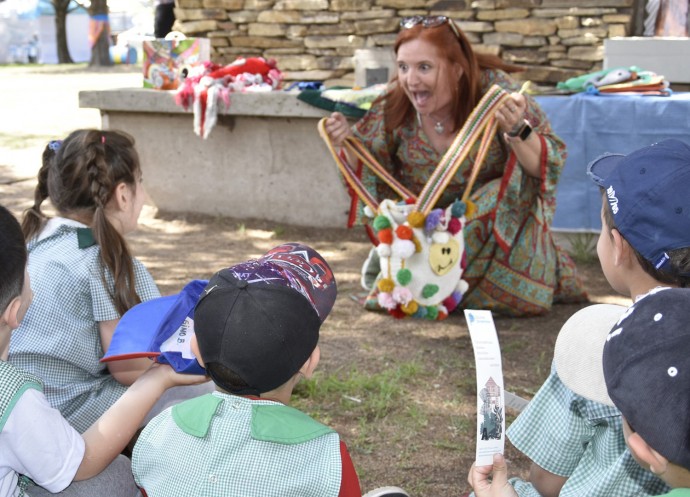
(18, 142)
(583, 246)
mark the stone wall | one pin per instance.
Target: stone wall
(317, 39)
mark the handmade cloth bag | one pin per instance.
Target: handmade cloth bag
(422, 249)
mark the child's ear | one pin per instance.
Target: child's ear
(122, 195)
(621, 248)
(642, 451)
(12, 312)
(310, 366)
(194, 346)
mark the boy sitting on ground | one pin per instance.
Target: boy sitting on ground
(577, 444)
(256, 333)
(645, 373)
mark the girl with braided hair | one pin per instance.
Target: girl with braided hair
(84, 276)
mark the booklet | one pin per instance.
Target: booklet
(490, 392)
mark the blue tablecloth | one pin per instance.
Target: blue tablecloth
(591, 125)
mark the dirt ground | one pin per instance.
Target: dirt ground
(420, 433)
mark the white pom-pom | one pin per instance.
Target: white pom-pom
(368, 212)
(441, 237)
(403, 248)
(383, 249)
(462, 286)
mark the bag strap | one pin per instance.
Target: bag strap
(482, 119)
(356, 147)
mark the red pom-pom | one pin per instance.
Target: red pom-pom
(463, 261)
(386, 236)
(454, 226)
(397, 313)
(410, 200)
(404, 232)
(450, 303)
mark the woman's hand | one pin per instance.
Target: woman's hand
(480, 478)
(337, 128)
(511, 114)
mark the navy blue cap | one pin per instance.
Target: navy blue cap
(647, 192)
(647, 371)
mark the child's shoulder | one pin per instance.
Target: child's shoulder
(15, 382)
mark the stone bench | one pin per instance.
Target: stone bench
(264, 159)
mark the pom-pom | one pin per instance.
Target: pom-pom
(410, 308)
(386, 301)
(463, 260)
(442, 313)
(368, 212)
(384, 250)
(402, 295)
(397, 313)
(417, 245)
(381, 223)
(404, 276)
(450, 302)
(471, 209)
(415, 219)
(461, 287)
(441, 237)
(410, 200)
(421, 311)
(429, 290)
(433, 220)
(386, 285)
(454, 226)
(385, 235)
(431, 313)
(403, 248)
(458, 208)
(404, 232)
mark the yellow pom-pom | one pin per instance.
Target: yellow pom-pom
(416, 219)
(471, 209)
(417, 245)
(410, 308)
(386, 285)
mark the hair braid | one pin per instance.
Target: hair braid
(33, 217)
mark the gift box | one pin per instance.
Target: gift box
(166, 61)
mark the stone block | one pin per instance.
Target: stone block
(505, 39)
(529, 27)
(333, 41)
(618, 30)
(350, 5)
(475, 27)
(197, 27)
(223, 4)
(295, 62)
(501, 14)
(402, 4)
(341, 28)
(586, 39)
(571, 64)
(368, 14)
(591, 53)
(568, 22)
(243, 16)
(525, 56)
(280, 16)
(264, 29)
(301, 5)
(587, 3)
(263, 43)
(363, 28)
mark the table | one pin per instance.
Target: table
(591, 125)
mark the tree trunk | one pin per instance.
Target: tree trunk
(63, 54)
(100, 27)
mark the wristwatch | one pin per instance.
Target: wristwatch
(522, 132)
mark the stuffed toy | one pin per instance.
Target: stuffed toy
(208, 84)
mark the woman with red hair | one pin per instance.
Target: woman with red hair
(514, 267)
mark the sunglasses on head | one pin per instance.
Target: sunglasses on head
(429, 22)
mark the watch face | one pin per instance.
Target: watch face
(525, 131)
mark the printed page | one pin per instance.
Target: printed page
(490, 392)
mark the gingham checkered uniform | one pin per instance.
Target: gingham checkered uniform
(14, 383)
(58, 339)
(231, 459)
(571, 436)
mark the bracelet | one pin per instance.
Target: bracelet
(522, 132)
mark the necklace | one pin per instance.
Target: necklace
(438, 127)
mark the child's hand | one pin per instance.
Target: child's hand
(170, 378)
(498, 486)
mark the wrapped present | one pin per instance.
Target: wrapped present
(167, 61)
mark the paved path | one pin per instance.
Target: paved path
(38, 104)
